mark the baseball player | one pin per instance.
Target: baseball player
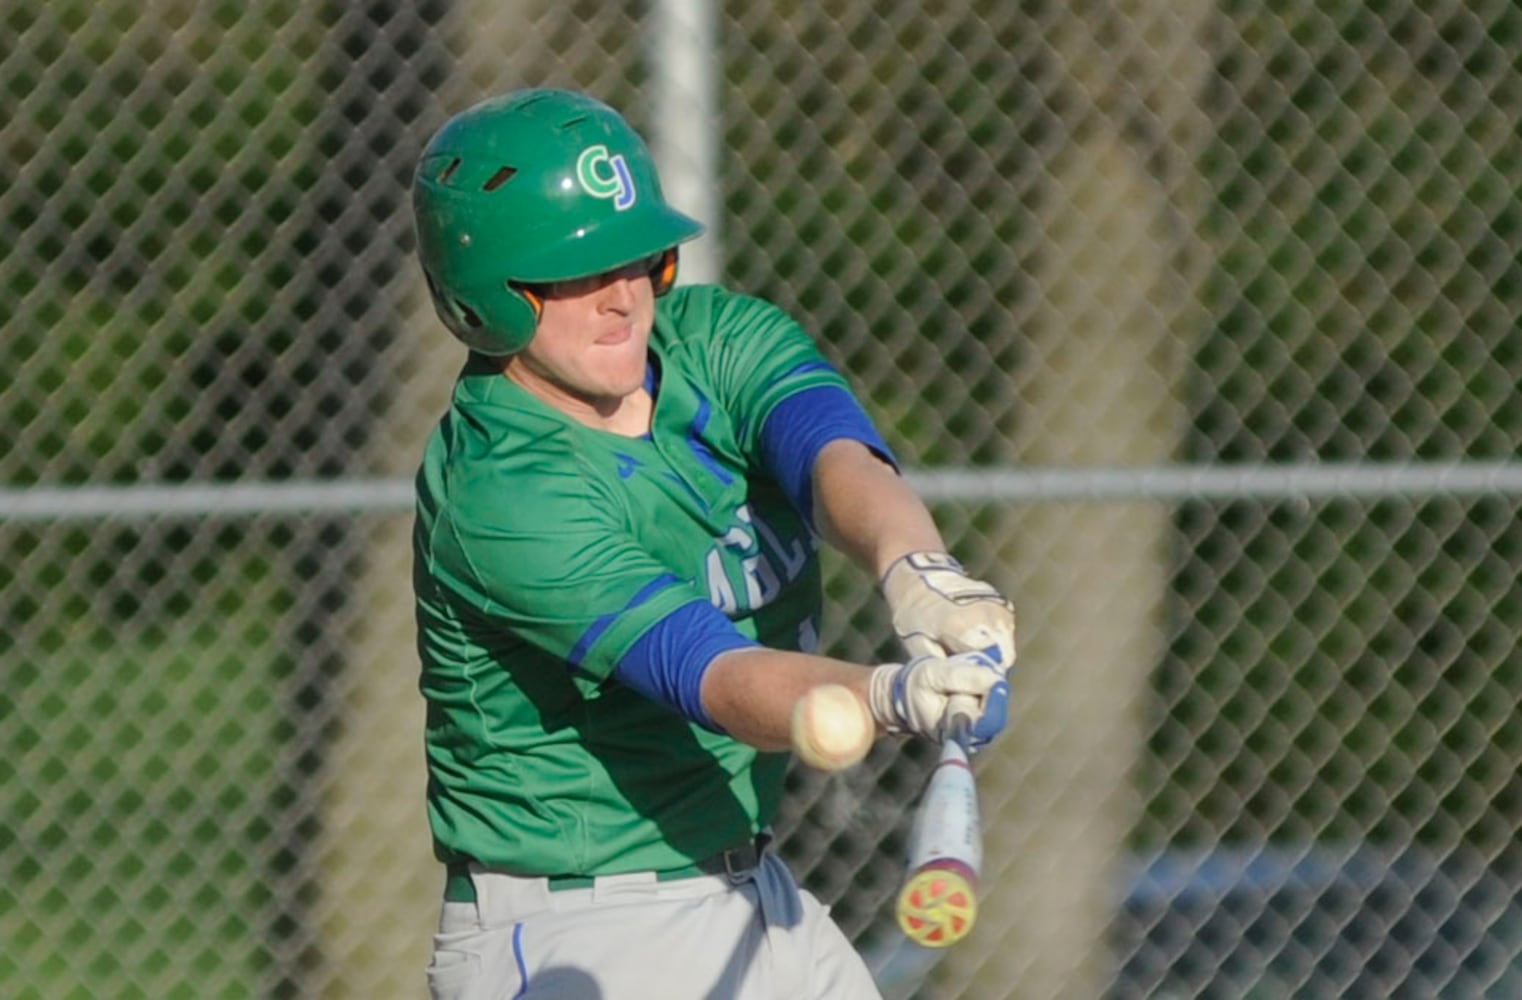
(618, 587)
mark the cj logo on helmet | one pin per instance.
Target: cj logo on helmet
(604, 176)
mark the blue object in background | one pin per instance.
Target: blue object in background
(1314, 922)
(1317, 921)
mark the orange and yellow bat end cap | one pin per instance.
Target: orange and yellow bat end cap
(937, 908)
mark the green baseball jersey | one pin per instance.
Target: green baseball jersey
(544, 549)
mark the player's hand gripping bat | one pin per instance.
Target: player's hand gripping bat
(938, 902)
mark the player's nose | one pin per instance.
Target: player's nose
(618, 294)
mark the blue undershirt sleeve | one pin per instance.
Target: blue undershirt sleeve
(799, 427)
(667, 663)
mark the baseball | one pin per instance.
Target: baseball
(831, 728)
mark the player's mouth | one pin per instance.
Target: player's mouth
(614, 338)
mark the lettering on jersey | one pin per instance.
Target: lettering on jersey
(748, 566)
(604, 176)
(808, 636)
(793, 556)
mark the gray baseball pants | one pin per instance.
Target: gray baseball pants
(753, 935)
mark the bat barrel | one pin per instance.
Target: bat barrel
(938, 904)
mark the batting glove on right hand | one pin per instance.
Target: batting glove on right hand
(921, 696)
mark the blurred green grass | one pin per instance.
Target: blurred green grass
(134, 777)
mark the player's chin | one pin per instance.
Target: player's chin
(621, 364)
(616, 378)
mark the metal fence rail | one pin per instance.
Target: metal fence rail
(1002, 486)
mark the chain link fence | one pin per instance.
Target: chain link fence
(1268, 739)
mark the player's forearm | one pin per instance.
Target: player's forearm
(864, 508)
(750, 693)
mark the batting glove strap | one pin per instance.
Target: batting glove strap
(885, 699)
(920, 696)
(938, 609)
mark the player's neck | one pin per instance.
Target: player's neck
(627, 415)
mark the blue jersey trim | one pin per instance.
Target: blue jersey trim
(700, 447)
(667, 663)
(653, 387)
(597, 628)
(802, 369)
(807, 366)
(800, 426)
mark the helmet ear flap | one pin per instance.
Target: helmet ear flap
(510, 322)
(663, 275)
(495, 324)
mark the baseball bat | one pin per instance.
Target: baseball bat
(938, 901)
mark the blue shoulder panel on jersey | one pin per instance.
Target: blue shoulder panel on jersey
(800, 426)
(597, 628)
(667, 663)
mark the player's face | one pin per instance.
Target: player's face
(589, 347)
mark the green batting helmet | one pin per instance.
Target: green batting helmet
(532, 187)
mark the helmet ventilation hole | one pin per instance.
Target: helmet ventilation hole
(501, 177)
(470, 316)
(447, 174)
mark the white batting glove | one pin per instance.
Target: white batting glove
(939, 610)
(921, 696)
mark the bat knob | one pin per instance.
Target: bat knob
(937, 907)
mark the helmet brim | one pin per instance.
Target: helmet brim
(610, 244)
